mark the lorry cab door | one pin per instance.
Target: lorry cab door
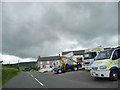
(116, 57)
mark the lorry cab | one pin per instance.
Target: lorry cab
(65, 66)
(107, 64)
(88, 59)
(89, 56)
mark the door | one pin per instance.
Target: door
(116, 57)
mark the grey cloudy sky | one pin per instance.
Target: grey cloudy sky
(33, 29)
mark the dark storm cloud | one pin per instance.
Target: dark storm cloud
(33, 29)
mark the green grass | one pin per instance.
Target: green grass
(22, 68)
(8, 72)
(45, 71)
(0, 74)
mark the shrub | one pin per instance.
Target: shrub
(45, 71)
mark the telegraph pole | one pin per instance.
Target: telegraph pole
(18, 63)
(9, 63)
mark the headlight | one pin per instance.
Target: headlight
(103, 67)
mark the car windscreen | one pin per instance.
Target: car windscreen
(104, 55)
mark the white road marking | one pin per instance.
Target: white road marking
(39, 81)
(28, 73)
(36, 79)
(31, 75)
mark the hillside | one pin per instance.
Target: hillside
(25, 64)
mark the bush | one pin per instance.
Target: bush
(45, 71)
(27, 69)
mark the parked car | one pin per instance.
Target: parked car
(45, 70)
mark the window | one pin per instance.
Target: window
(41, 66)
(116, 54)
(47, 62)
(94, 54)
(40, 62)
(104, 55)
(89, 55)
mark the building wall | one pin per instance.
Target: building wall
(46, 64)
(56, 62)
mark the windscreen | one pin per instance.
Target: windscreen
(89, 55)
(104, 55)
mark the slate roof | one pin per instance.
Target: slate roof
(78, 52)
(50, 58)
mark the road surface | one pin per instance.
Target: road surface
(40, 80)
(75, 79)
(84, 77)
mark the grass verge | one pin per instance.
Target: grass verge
(8, 73)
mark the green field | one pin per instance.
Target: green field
(8, 73)
(0, 74)
(25, 64)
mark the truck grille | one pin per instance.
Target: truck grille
(94, 68)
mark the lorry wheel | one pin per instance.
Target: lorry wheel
(59, 71)
(114, 75)
(75, 68)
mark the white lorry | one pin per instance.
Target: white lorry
(89, 56)
(107, 64)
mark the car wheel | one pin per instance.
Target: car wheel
(114, 75)
(75, 68)
(59, 71)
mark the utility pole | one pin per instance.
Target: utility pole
(18, 63)
(9, 63)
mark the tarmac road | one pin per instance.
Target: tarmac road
(74, 79)
(84, 77)
(40, 80)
